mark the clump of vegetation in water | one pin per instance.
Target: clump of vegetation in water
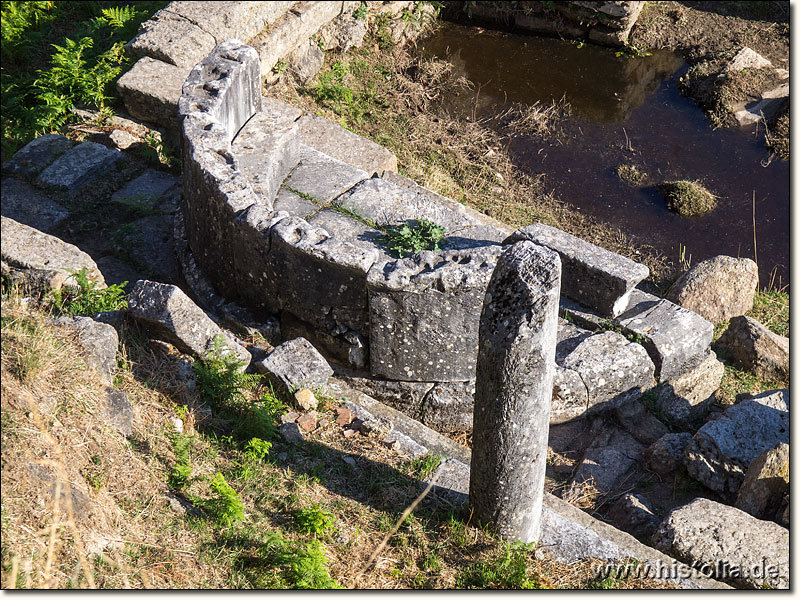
(688, 198)
(631, 174)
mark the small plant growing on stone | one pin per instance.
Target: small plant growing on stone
(361, 12)
(631, 174)
(688, 198)
(219, 380)
(423, 466)
(280, 66)
(225, 506)
(412, 237)
(88, 298)
(313, 520)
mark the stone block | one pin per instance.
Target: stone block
(290, 432)
(632, 513)
(118, 411)
(593, 276)
(321, 177)
(42, 260)
(99, 341)
(339, 143)
(344, 33)
(78, 167)
(306, 61)
(347, 228)
(765, 484)
(151, 89)
(755, 348)
(29, 206)
(169, 314)
(610, 455)
(612, 368)
(722, 449)
(294, 365)
(424, 314)
(570, 396)
(34, 156)
(328, 275)
(148, 189)
(405, 396)
(388, 204)
(293, 204)
(676, 339)
(172, 39)
(224, 20)
(448, 407)
(267, 148)
(341, 345)
(728, 543)
(638, 421)
(665, 455)
(685, 401)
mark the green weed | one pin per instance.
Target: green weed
(412, 237)
(257, 449)
(423, 466)
(180, 475)
(88, 299)
(361, 12)
(219, 379)
(225, 506)
(631, 51)
(313, 520)
(508, 570)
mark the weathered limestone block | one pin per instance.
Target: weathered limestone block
(321, 177)
(294, 365)
(448, 407)
(610, 455)
(722, 450)
(34, 156)
(305, 61)
(224, 20)
(676, 338)
(171, 315)
(345, 228)
(341, 344)
(225, 85)
(765, 484)
(756, 348)
(730, 544)
(100, 342)
(405, 396)
(29, 206)
(637, 420)
(514, 384)
(41, 260)
(344, 32)
(747, 58)
(593, 276)
(665, 455)
(118, 411)
(386, 203)
(339, 143)
(687, 399)
(78, 167)
(570, 396)
(171, 38)
(267, 148)
(151, 89)
(148, 189)
(632, 513)
(424, 314)
(328, 275)
(294, 205)
(717, 288)
(612, 368)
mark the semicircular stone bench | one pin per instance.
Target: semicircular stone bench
(283, 215)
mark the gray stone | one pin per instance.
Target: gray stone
(151, 89)
(171, 315)
(340, 344)
(123, 140)
(321, 177)
(756, 348)
(388, 204)
(513, 389)
(717, 288)
(633, 514)
(78, 167)
(612, 368)
(676, 339)
(766, 483)
(293, 204)
(290, 432)
(346, 228)
(344, 33)
(29, 206)
(341, 144)
(722, 540)
(41, 260)
(267, 148)
(638, 421)
(149, 243)
(147, 189)
(685, 401)
(173, 39)
(99, 341)
(570, 396)
(118, 411)
(593, 276)
(722, 449)
(405, 396)
(82, 508)
(448, 407)
(746, 58)
(34, 156)
(610, 455)
(665, 455)
(424, 314)
(403, 444)
(306, 61)
(224, 20)
(294, 365)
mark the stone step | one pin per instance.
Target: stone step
(78, 167)
(29, 206)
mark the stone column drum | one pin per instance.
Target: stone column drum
(514, 384)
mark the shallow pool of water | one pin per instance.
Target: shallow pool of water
(629, 111)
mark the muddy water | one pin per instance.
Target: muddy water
(628, 111)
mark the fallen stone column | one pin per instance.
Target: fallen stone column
(514, 384)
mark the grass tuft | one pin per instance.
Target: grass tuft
(688, 198)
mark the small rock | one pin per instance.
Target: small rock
(343, 416)
(717, 288)
(766, 483)
(290, 417)
(350, 461)
(99, 341)
(295, 364)
(632, 513)
(306, 399)
(637, 421)
(746, 58)
(119, 411)
(291, 433)
(756, 348)
(177, 424)
(283, 456)
(306, 61)
(308, 422)
(176, 506)
(666, 454)
(348, 433)
(122, 140)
